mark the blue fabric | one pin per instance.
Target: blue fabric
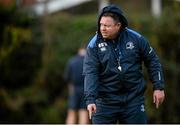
(121, 114)
(73, 75)
(74, 70)
(92, 42)
(76, 100)
(104, 80)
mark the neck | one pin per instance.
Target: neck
(82, 52)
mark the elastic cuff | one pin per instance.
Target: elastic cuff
(92, 101)
(158, 87)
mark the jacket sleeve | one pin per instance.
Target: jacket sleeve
(152, 63)
(90, 70)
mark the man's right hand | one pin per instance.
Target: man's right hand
(92, 109)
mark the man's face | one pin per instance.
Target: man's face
(108, 27)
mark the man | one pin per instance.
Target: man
(77, 113)
(114, 83)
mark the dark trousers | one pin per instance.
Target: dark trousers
(121, 114)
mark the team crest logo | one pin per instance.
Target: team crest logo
(102, 46)
(129, 45)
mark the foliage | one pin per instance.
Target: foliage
(169, 38)
(16, 49)
(19, 60)
(24, 90)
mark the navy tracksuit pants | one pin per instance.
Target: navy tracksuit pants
(121, 114)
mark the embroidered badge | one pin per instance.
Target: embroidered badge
(102, 46)
(129, 45)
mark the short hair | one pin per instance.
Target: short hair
(113, 15)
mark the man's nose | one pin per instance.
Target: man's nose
(103, 28)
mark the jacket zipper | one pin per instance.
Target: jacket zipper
(117, 55)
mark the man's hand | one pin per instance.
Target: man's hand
(91, 108)
(158, 97)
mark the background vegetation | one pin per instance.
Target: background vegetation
(34, 52)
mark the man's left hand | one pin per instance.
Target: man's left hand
(158, 97)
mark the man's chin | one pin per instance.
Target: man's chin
(105, 37)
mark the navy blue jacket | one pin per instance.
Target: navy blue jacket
(120, 81)
(104, 80)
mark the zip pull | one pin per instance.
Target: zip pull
(119, 65)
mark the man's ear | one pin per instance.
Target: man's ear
(119, 25)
